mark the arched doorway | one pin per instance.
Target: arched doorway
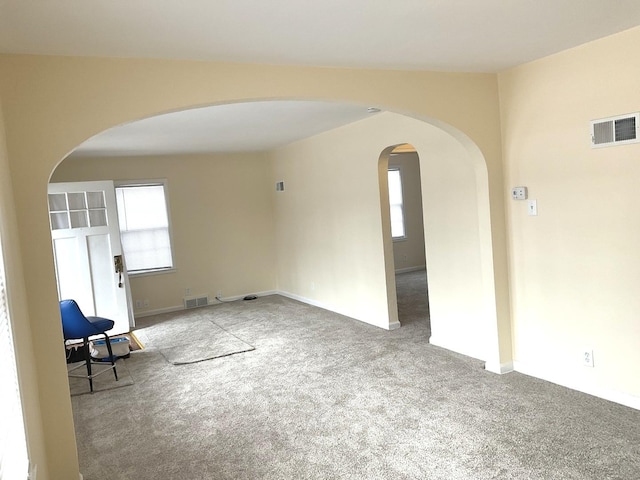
(455, 216)
(70, 99)
(407, 233)
(455, 213)
(328, 234)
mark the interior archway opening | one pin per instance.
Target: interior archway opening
(320, 235)
(403, 232)
(407, 233)
(454, 201)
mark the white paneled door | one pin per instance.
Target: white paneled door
(87, 251)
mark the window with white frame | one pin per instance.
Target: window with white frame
(396, 204)
(13, 446)
(144, 226)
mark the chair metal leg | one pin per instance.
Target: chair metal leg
(89, 361)
(87, 358)
(111, 357)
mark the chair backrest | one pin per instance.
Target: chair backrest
(74, 323)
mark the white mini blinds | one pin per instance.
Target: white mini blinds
(144, 227)
(13, 447)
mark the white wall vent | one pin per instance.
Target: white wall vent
(193, 302)
(619, 130)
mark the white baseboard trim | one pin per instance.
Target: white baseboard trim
(308, 301)
(565, 379)
(177, 308)
(411, 269)
(149, 313)
(442, 342)
(265, 293)
(499, 368)
(433, 340)
(315, 303)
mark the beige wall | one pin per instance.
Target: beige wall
(409, 253)
(575, 268)
(18, 312)
(330, 235)
(221, 216)
(52, 104)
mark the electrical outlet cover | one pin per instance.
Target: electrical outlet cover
(587, 358)
(519, 193)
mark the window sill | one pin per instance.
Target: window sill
(399, 239)
(146, 273)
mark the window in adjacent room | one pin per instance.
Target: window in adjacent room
(144, 227)
(396, 204)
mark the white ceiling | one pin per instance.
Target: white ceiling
(450, 35)
(254, 126)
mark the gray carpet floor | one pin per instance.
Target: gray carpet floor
(327, 397)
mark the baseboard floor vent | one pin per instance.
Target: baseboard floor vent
(619, 130)
(193, 302)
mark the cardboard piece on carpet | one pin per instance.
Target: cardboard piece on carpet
(195, 340)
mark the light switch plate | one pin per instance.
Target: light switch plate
(532, 207)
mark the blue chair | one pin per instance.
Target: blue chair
(76, 326)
